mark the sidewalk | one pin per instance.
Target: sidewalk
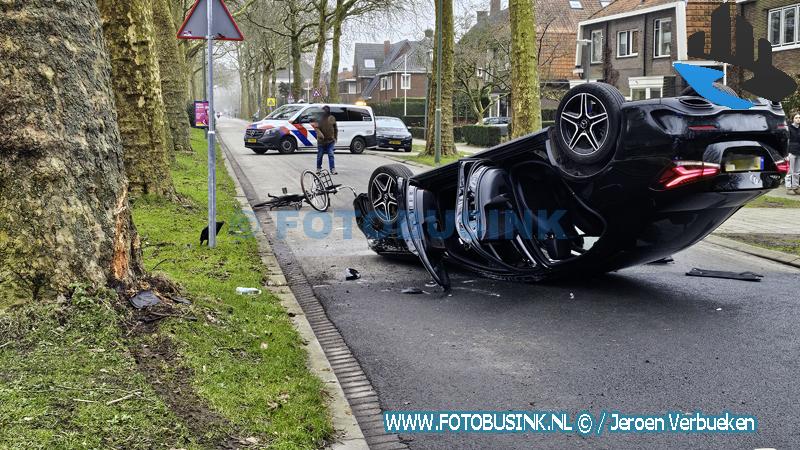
(460, 146)
(763, 220)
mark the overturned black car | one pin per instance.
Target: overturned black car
(611, 184)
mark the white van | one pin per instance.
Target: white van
(294, 126)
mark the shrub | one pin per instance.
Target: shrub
(458, 134)
(417, 132)
(480, 135)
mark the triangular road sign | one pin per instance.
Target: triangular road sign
(224, 28)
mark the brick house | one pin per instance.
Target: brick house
(633, 44)
(348, 87)
(779, 22)
(404, 72)
(556, 24)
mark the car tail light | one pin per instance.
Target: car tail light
(783, 166)
(685, 172)
(782, 126)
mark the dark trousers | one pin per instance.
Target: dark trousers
(323, 149)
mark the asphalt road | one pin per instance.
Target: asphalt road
(643, 340)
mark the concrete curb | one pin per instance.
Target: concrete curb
(772, 255)
(349, 434)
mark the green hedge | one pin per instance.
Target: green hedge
(548, 114)
(480, 135)
(394, 108)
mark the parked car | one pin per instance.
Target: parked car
(294, 126)
(392, 133)
(610, 185)
(500, 122)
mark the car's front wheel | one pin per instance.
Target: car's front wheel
(383, 192)
(588, 122)
(358, 145)
(287, 145)
(259, 151)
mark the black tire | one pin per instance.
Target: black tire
(690, 92)
(287, 145)
(259, 151)
(382, 192)
(407, 149)
(587, 122)
(358, 145)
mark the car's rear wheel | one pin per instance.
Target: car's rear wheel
(588, 122)
(287, 145)
(259, 151)
(383, 192)
(358, 145)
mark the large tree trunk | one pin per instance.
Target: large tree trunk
(448, 146)
(333, 86)
(172, 69)
(297, 74)
(322, 38)
(526, 108)
(64, 213)
(128, 28)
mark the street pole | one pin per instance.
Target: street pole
(212, 167)
(437, 124)
(405, 87)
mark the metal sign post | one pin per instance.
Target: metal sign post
(212, 122)
(225, 29)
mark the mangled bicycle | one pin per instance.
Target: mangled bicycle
(317, 190)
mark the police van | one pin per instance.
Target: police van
(294, 126)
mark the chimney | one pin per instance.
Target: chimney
(494, 7)
(386, 45)
(483, 16)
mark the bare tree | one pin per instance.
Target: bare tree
(64, 212)
(526, 114)
(128, 29)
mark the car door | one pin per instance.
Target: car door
(305, 127)
(345, 127)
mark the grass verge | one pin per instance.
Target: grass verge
(225, 371)
(786, 243)
(765, 201)
(428, 160)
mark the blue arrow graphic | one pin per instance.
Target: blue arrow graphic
(702, 80)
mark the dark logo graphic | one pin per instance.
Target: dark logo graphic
(767, 81)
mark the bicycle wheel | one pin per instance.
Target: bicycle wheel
(314, 191)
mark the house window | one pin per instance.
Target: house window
(369, 63)
(627, 43)
(575, 4)
(388, 83)
(783, 26)
(383, 83)
(645, 93)
(351, 87)
(662, 37)
(405, 81)
(596, 49)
